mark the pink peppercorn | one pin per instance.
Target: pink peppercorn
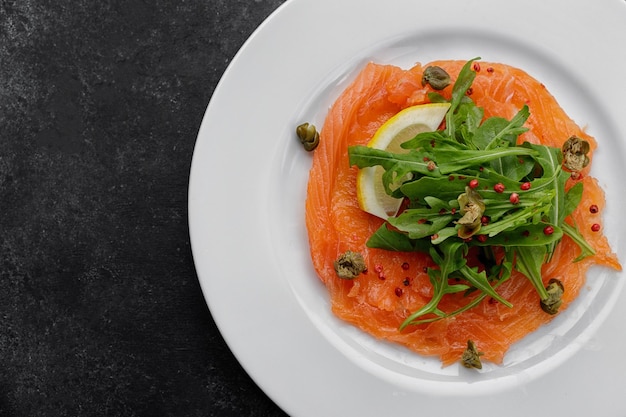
(525, 186)
(595, 227)
(473, 183)
(514, 198)
(498, 188)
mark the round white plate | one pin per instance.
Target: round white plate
(248, 186)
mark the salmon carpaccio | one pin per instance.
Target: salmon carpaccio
(396, 283)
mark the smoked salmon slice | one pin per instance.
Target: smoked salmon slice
(396, 283)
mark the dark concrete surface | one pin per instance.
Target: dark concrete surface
(101, 313)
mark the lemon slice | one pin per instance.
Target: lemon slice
(371, 193)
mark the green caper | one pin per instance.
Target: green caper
(472, 208)
(471, 356)
(308, 135)
(437, 77)
(575, 153)
(349, 265)
(555, 291)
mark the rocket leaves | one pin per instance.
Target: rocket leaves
(475, 164)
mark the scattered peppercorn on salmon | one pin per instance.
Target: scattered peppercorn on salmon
(395, 283)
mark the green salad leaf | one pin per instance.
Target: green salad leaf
(474, 185)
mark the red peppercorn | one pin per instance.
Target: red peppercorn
(498, 188)
(484, 220)
(470, 91)
(453, 210)
(593, 209)
(476, 67)
(482, 238)
(595, 227)
(473, 183)
(398, 291)
(514, 198)
(548, 230)
(525, 186)
(405, 266)
(490, 69)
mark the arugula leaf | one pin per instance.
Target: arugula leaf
(390, 240)
(498, 131)
(443, 187)
(395, 165)
(550, 160)
(479, 281)
(449, 160)
(417, 224)
(468, 119)
(515, 219)
(461, 85)
(579, 239)
(529, 262)
(524, 235)
(519, 190)
(572, 199)
(450, 258)
(504, 273)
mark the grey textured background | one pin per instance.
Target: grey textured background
(101, 313)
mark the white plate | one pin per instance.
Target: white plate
(247, 192)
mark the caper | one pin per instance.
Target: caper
(472, 208)
(575, 154)
(437, 77)
(349, 265)
(308, 135)
(555, 291)
(471, 356)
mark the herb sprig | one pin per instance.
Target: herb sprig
(472, 185)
